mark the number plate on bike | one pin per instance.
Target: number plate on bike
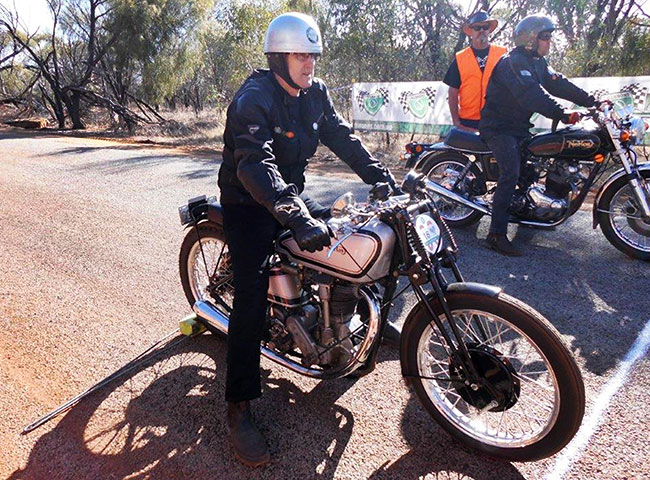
(429, 232)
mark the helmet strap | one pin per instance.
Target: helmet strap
(278, 64)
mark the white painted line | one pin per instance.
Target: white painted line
(573, 451)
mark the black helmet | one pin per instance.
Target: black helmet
(526, 31)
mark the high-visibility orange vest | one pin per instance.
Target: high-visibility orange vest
(473, 81)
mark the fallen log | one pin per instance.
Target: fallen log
(31, 124)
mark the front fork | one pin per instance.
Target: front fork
(423, 271)
(637, 182)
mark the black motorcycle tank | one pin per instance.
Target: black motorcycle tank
(565, 143)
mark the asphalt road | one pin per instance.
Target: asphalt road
(89, 240)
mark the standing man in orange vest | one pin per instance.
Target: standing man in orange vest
(469, 73)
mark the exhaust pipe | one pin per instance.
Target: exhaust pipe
(207, 313)
(443, 192)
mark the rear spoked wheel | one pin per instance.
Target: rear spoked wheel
(528, 400)
(445, 169)
(205, 268)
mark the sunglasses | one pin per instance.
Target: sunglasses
(545, 36)
(478, 28)
(303, 57)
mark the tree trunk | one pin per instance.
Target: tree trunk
(72, 103)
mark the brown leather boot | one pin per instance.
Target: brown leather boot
(501, 244)
(247, 441)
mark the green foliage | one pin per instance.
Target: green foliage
(159, 40)
(195, 52)
(634, 58)
(234, 44)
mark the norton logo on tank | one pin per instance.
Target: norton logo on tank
(582, 143)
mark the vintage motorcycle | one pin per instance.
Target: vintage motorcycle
(489, 368)
(558, 170)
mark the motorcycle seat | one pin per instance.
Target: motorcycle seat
(215, 212)
(466, 141)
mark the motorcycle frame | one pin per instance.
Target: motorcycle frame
(482, 161)
(420, 269)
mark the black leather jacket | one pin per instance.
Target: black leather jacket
(270, 136)
(515, 92)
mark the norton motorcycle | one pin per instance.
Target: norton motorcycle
(488, 368)
(558, 170)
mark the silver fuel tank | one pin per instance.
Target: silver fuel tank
(363, 257)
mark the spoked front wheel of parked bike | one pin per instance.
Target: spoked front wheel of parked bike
(621, 219)
(529, 399)
(205, 267)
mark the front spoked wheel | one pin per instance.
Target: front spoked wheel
(621, 219)
(528, 400)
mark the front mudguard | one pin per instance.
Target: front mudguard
(615, 176)
(459, 288)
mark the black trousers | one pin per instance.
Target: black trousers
(506, 149)
(250, 231)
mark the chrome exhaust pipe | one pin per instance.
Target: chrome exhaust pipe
(443, 192)
(208, 313)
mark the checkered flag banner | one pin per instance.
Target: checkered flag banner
(404, 97)
(363, 94)
(637, 92)
(599, 93)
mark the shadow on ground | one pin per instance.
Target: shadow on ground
(165, 419)
(575, 278)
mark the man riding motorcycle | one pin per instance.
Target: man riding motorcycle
(273, 125)
(514, 93)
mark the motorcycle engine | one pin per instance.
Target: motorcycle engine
(302, 326)
(344, 317)
(548, 201)
(543, 206)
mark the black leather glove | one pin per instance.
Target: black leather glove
(397, 190)
(382, 190)
(310, 234)
(600, 104)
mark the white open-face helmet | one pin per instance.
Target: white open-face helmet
(293, 32)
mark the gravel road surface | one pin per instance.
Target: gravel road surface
(89, 242)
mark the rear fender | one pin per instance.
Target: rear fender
(460, 288)
(419, 162)
(201, 209)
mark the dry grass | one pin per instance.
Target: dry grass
(204, 131)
